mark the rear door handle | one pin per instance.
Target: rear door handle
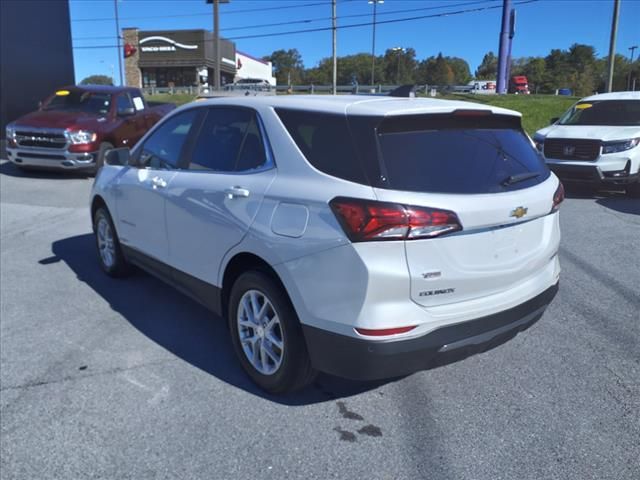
(235, 192)
(158, 182)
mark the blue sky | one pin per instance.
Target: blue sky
(541, 26)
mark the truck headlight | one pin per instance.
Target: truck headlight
(10, 132)
(10, 135)
(619, 146)
(79, 137)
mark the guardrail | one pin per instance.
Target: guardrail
(311, 89)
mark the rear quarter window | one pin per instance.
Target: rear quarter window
(325, 141)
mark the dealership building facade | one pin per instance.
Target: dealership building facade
(185, 58)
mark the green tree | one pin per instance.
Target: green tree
(488, 69)
(435, 71)
(287, 64)
(400, 66)
(460, 68)
(97, 80)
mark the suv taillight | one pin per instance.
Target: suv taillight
(558, 197)
(369, 220)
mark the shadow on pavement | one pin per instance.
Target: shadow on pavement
(612, 199)
(181, 325)
(10, 169)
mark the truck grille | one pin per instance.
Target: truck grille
(41, 139)
(571, 149)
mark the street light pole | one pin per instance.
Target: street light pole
(400, 51)
(216, 45)
(373, 39)
(633, 49)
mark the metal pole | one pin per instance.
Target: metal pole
(216, 45)
(512, 32)
(633, 49)
(115, 5)
(504, 45)
(335, 58)
(612, 43)
(373, 42)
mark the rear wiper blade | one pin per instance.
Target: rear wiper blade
(521, 177)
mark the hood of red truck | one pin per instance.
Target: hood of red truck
(62, 120)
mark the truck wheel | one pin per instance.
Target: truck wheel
(267, 336)
(102, 152)
(110, 254)
(633, 189)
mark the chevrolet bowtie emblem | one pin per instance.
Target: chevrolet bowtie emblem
(519, 212)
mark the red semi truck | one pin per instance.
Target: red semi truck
(75, 127)
(519, 85)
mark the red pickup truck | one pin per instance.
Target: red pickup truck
(75, 127)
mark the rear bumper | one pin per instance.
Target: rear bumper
(360, 359)
(52, 159)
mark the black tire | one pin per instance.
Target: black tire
(118, 267)
(633, 189)
(295, 370)
(100, 156)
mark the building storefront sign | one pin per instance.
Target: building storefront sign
(170, 47)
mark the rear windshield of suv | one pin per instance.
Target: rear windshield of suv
(446, 154)
(439, 153)
(617, 113)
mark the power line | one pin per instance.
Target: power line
(207, 14)
(354, 25)
(366, 24)
(310, 20)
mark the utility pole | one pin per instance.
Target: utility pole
(633, 49)
(115, 5)
(512, 33)
(612, 43)
(335, 58)
(373, 39)
(501, 87)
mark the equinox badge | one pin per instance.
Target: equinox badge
(519, 212)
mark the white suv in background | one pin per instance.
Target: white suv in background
(366, 237)
(596, 142)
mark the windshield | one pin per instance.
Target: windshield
(80, 101)
(617, 113)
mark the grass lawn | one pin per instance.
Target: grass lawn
(536, 109)
(178, 98)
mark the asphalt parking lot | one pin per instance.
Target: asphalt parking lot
(116, 379)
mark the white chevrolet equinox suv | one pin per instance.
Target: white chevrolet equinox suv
(365, 237)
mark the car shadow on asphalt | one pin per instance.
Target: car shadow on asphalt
(181, 325)
(612, 199)
(10, 169)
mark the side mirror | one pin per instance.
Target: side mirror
(554, 120)
(126, 112)
(118, 157)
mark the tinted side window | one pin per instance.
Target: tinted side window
(164, 147)
(325, 141)
(229, 141)
(123, 102)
